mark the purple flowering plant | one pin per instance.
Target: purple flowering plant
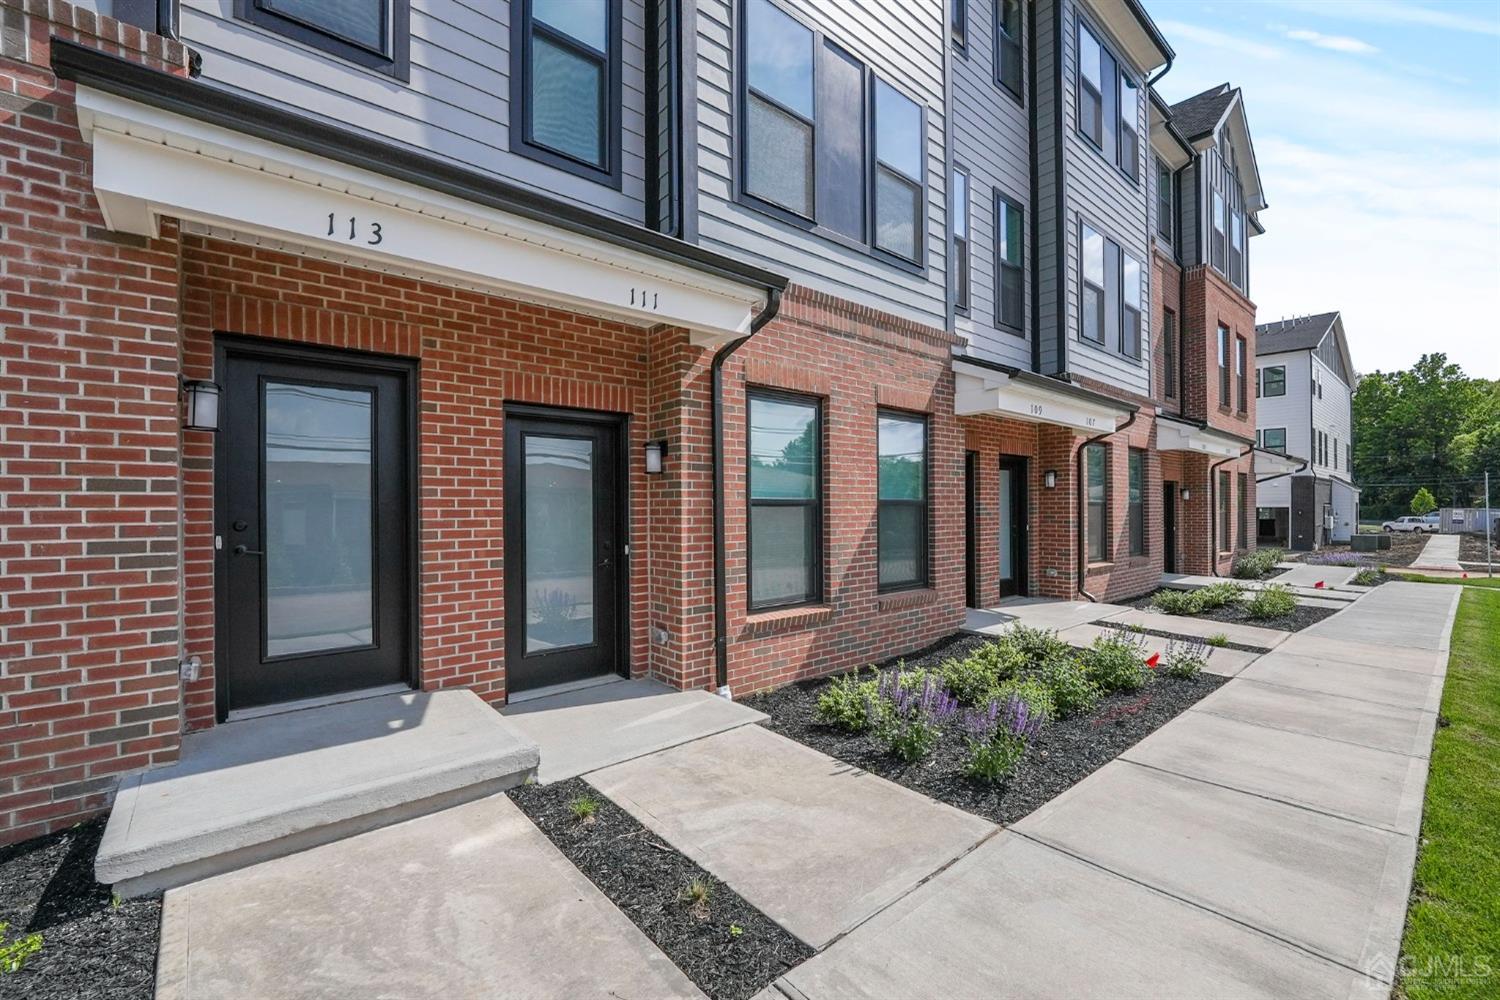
(908, 717)
(998, 735)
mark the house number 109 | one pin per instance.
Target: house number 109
(335, 229)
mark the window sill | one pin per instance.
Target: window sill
(908, 599)
(1100, 567)
(787, 619)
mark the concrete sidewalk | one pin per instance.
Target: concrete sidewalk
(1440, 552)
(1259, 845)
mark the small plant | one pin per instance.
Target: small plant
(14, 954)
(1035, 646)
(1275, 600)
(1033, 691)
(997, 736)
(1117, 662)
(843, 703)
(735, 930)
(908, 719)
(583, 808)
(1069, 685)
(1371, 577)
(1185, 658)
(1348, 559)
(1218, 640)
(696, 895)
(1178, 602)
(1221, 594)
(1256, 565)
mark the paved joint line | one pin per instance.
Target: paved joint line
(1199, 906)
(1264, 796)
(1303, 732)
(1331, 694)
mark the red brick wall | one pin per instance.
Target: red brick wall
(991, 438)
(89, 589)
(1166, 294)
(1210, 301)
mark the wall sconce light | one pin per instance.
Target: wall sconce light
(656, 454)
(202, 398)
(1187, 494)
(1049, 479)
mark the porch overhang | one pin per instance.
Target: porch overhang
(1179, 435)
(1274, 463)
(151, 163)
(1021, 395)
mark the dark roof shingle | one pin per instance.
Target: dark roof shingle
(1197, 115)
(1296, 334)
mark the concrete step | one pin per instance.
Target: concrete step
(246, 792)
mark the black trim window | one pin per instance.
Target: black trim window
(779, 108)
(1274, 439)
(1096, 469)
(961, 241)
(1010, 265)
(1091, 249)
(565, 100)
(1137, 502)
(1224, 366)
(1130, 136)
(1272, 380)
(1132, 300)
(368, 33)
(1241, 358)
(1109, 103)
(785, 499)
(1237, 248)
(1335, 452)
(1218, 238)
(1226, 528)
(1165, 182)
(1008, 46)
(1349, 458)
(901, 489)
(1095, 65)
(1242, 492)
(1169, 350)
(960, 26)
(898, 172)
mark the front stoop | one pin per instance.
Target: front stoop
(246, 792)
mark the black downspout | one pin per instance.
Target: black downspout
(1083, 541)
(1213, 508)
(721, 586)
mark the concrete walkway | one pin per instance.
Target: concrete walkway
(1440, 552)
(1259, 845)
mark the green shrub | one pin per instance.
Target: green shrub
(14, 954)
(583, 808)
(1218, 640)
(974, 679)
(1185, 658)
(1369, 577)
(1117, 662)
(1035, 646)
(1255, 565)
(1069, 685)
(1031, 690)
(1275, 600)
(1178, 602)
(844, 703)
(1221, 594)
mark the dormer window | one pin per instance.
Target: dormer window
(368, 33)
(565, 96)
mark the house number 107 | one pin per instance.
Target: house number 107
(335, 229)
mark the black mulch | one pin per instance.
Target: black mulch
(1471, 549)
(1405, 547)
(1168, 634)
(1235, 614)
(90, 947)
(1066, 752)
(731, 952)
(1272, 573)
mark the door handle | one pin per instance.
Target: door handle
(240, 550)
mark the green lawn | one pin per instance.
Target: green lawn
(1474, 580)
(1452, 942)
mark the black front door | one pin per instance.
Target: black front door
(314, 524)
(1013, 526)
(1169, 527)
(971, 528)
(564, 515)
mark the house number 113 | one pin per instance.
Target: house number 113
(374, 230)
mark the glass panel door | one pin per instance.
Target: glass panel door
(1007, 525)
(559, 542)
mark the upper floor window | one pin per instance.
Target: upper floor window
(961, 241)
(1169, 353)
(1091, 73)
(898, 172)
(1349, 458)
(1218, 237)
(785, 494)
(1010, 267)
(779, 108)
(1274, 439)
(901, 488)
(369, 33)
(1165, 183)
(960, 25)
(567, 92)
(1224, 366)
(1237, 248)
(1271, 381)
(1091, 309)
(1132, 294)
(1112, 293)
(1108, 103)
(1130, 140)
(1008, 46)
(1241, 356)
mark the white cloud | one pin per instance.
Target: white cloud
(1335, 43)
(1179, 31)
(1379, 12)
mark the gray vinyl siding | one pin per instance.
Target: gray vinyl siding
(991, 141)
(1097, 191)
(1049, 205)
(1190, 236)
(456, 104)
(901, 41)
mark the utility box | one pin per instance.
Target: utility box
(1370, 543)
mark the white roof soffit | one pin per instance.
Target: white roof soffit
(1270, 463)
(150, 164)
(1174, 436)
(979, 390)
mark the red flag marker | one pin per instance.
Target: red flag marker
(1154, 660)
(1466, 576)
(1318, 585)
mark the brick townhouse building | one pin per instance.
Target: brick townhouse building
(354, 348)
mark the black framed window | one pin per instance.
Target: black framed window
(1132, 303)
(898, 172)
(1091, 75)
(1008, 48)
(779, 108)
(1273, 380)
(1096, 470)
(1226, 528)
(1237, 247)
(1241, 358)
(368, 33)
(959, 27)
(1274, 439)
(901, 489)
(785, 495)
(1137, 505)
(1218, 233)
(1335, 452)
(1010, 264)
(1109, 103)
(1165, 183)
(961, 241)
(1242, 493)
(1349, 458)
(565, 99)
(1224, 366)
(1130, 135)
(1091, 251)
(1169, 351)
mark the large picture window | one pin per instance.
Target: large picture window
(1137, 502)
(1008, 46)
(785, 495)
(368, 33)
(567, 93)
(1096, 483)
(1010, 264)
(901, 488)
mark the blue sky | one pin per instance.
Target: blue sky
(1377, 129)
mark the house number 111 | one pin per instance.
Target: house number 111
(334, 229)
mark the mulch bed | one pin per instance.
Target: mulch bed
(1162, 633)
(1405, 547)
(729, 949)
(1235, 614)
(1471, 549)
(1066, 752)
(90, 947)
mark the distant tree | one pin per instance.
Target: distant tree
(1423, 502)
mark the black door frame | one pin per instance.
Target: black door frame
(620, 424)
(227, 344)
(1169, 526)
(971, 529)
(1020, 531)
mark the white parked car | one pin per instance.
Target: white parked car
(1413, 522)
